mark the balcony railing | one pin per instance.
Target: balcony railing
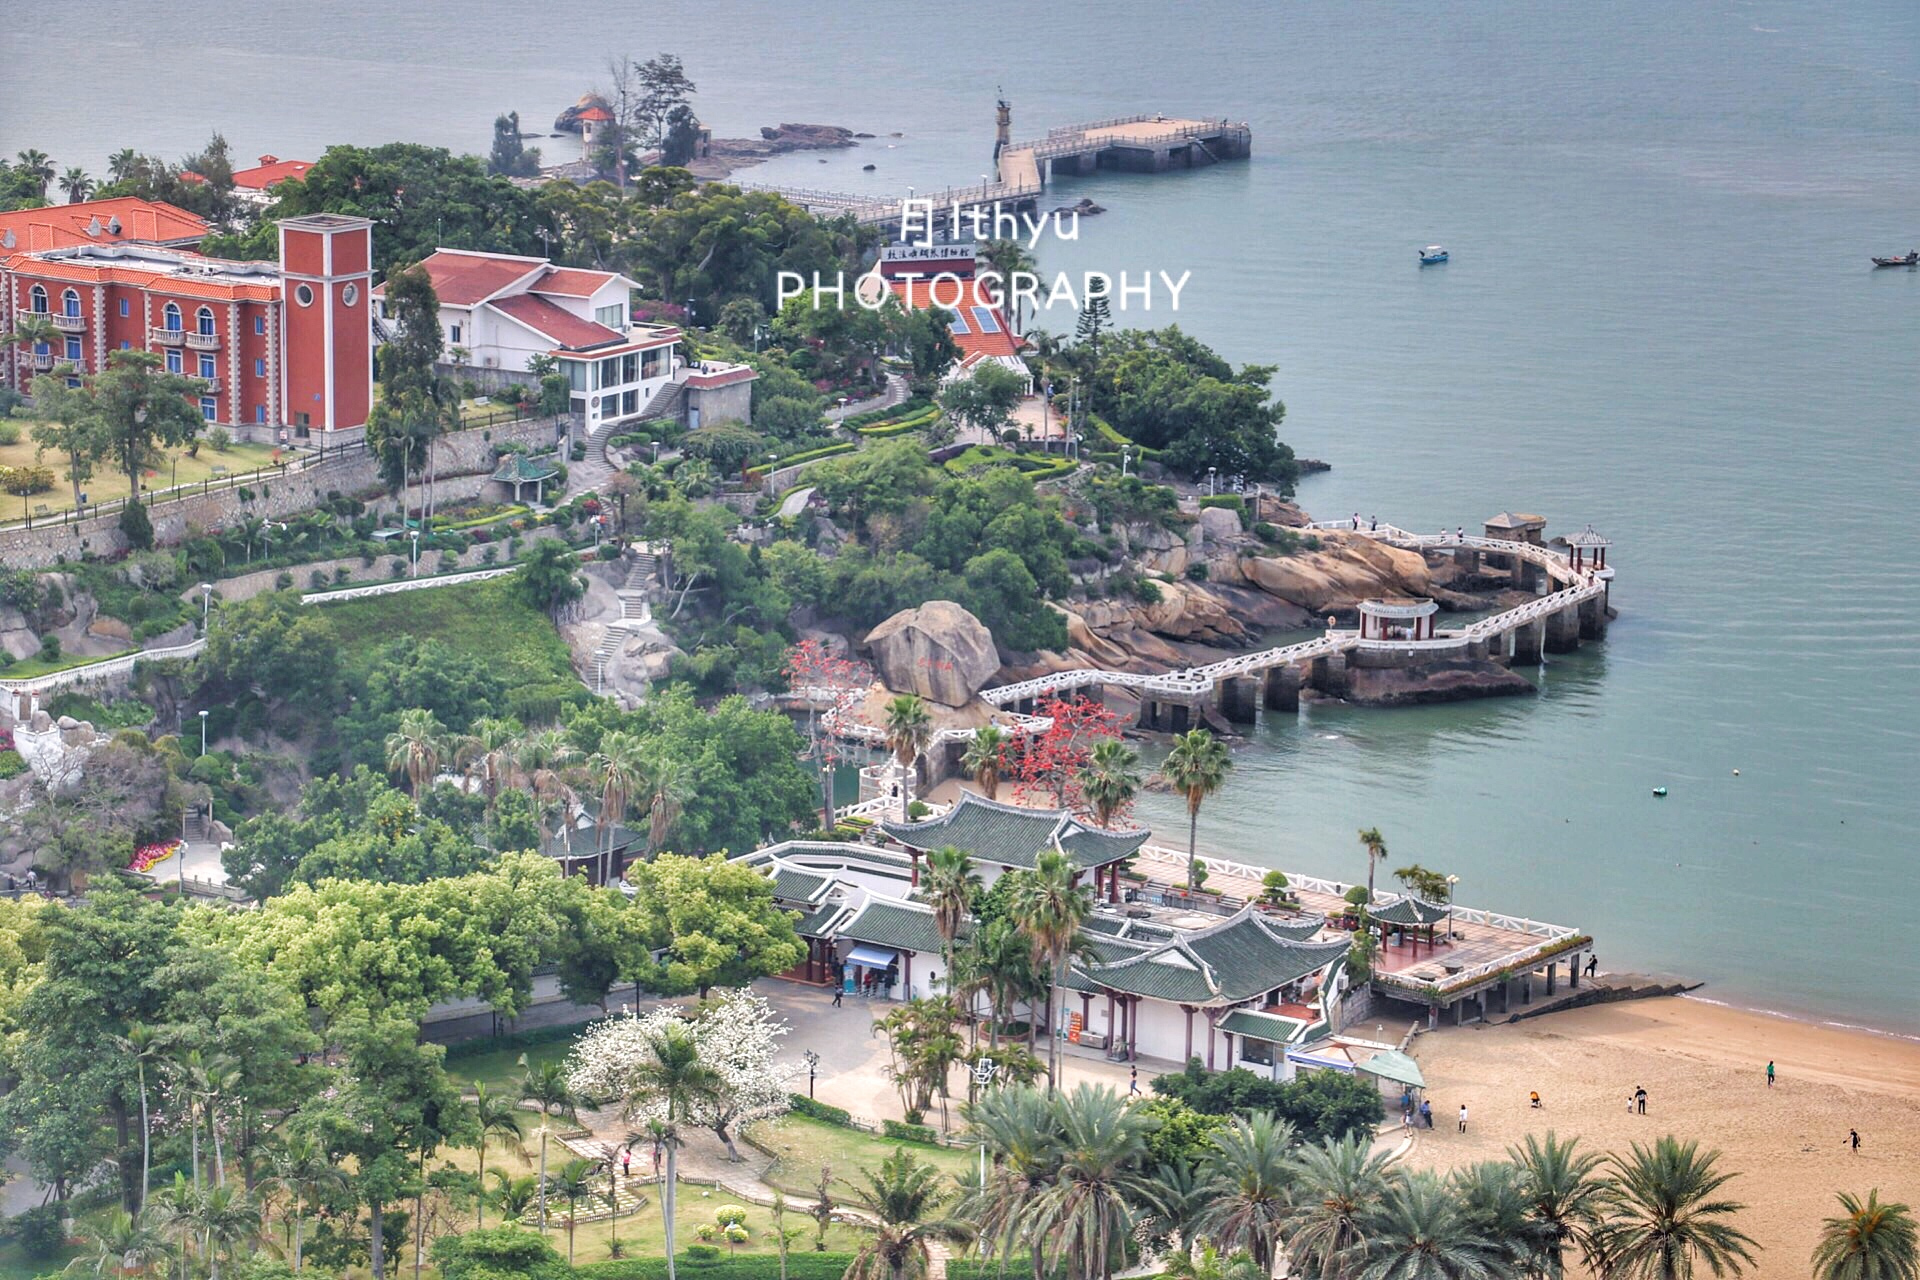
(166, 337)
(203, 341)
(67, 323)
(42, 359)
(213, 384)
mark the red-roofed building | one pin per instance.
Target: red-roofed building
(285, 345)
(270, 173)
(979, 327)
(502, 311)
(122, 220)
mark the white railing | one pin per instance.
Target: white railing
(164, 337)
(114, 665)
(406, 584)
(203, 341)
(68, 324)
(1581, 585)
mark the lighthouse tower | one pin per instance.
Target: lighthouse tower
(1002, 128)
(326, 347)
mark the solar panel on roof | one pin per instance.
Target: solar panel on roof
(984, 318)
(958, 323)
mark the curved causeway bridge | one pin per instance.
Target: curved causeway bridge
(1573, 606)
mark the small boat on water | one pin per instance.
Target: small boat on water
(1911, 260)
(1431, 254)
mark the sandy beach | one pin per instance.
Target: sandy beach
(1704, 1069)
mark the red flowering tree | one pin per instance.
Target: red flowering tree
(832, 687)
(1044, 764)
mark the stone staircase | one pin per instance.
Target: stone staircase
(642, 566)
(592, 471)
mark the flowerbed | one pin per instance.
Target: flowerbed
(147, 855)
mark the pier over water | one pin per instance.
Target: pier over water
(1128, 144)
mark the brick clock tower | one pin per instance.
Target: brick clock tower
(326, 351)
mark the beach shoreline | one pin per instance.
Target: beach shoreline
(1703, 1064)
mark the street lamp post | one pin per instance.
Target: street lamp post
(1213, 484)
(203, 731)
(813, 1068)
(1126, 456)
(1451, 882)
(206, 603)
(415, 535)
(983, 1073)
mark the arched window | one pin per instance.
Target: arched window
(37, 300)
(171, 317)
(70, 303)
(203, 321)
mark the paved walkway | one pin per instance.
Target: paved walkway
(895, 393)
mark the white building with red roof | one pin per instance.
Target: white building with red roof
(502, 311)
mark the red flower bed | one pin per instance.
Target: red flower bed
(147, 855)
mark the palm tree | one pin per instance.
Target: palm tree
(1565, 1194)
(1665, 1220)
(415, 748)
(573, 1182)
(1008, 972)
(1869, 1241)
(1086, 1216)
(228, 1219)
(303, 1170)
(1008, 257)
(1021, 1129)
(141, 1044)
(909, 731)
(495, 1116)
(1376, 846)
(1110, 778)
(669, 785)
(76, 184)
(903, 1196)
(37, 166)
(1492, 1195)
(488, 750)
(1196, 767)
(546, 1087)
(1245, 1194)
(545, 761)
(1418, 1231)
(1050, 906)
(513, 1197)
(949, 887)
(122, 1245)
(620, 767)
(982, 760)
(122, 164)
(670, 1081)
(1335, 1184)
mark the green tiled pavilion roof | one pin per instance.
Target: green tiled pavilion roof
(818, 922)
(1409, 910)
(791, 884)
(1301, 930)
(1263, 1026)
(886, 925)
(1011, 836)
(525, 468)
(1234, 960)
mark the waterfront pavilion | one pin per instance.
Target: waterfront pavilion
(1004, 837)
(1398, 618)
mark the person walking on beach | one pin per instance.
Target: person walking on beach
(1769, 1073)
(1640, 1099)
(1533, 1099)
(1463, 1117)
(1853, 1137)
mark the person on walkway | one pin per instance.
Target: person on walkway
(1593, 963)
(1640, 1099)
(1460, 533)
(1133, 1082)
(1406, 1102)
(1853, 1137)
(1406, 1119)
(1463, 1117)
(1769, 1073)
(1533, 1099)
(626, 1163)
(1426, 1112)
(1356, 522)
(838, 991)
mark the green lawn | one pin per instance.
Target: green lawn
(107, 484)
(642, 1234)
(802, 1145)
(500, 1070)
(16, 1265)
(486, 619)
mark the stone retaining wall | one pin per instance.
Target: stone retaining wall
(463, 461)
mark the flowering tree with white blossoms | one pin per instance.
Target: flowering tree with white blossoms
(736, 1036)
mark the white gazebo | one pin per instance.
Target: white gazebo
(1398, 619)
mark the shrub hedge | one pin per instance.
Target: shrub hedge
(909, 1132)
(801, 1265)
(824, 1112)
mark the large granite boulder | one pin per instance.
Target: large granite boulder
(939, 651)
(1346, 570)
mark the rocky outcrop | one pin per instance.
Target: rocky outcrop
(939, 651)
(1345, 571)
(1440, 681)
